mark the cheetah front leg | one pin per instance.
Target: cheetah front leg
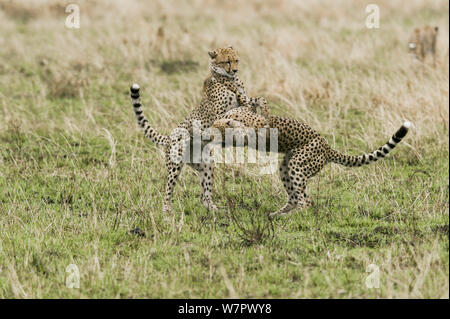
(253, 103)
(297, 196)
(173, 171)
(224, 123)
(245, 101)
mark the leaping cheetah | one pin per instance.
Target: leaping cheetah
(306, 152)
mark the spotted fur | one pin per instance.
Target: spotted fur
(306, 152)
(217, 99)
(423, 42)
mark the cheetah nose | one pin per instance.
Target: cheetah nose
(235, 71)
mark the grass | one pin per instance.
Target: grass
(76, 174)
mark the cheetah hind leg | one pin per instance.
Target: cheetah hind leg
(287, 183)
(206, 176)
(296, 172)
(173, 170)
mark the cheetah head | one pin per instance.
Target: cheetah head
(224, 61)
(417, 37)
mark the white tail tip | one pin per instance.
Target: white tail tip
(407, 124)
(135, 86)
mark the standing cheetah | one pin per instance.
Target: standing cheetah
(423, 42)
(306, 152)
(216, 100)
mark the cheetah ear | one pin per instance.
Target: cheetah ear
(212, 54)
(230, 47)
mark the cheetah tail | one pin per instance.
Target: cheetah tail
(149, 131)
(352, 161)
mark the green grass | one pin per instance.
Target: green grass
(76, 174)
(62, 203)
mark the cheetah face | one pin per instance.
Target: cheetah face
(224, 61)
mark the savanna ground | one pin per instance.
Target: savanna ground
(76, 173)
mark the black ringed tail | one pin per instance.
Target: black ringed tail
(352, 161)
(149, 131)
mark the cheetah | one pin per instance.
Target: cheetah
(423, 42)
(306, 152)
(216, 100)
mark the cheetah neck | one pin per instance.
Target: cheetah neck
(220, 74)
